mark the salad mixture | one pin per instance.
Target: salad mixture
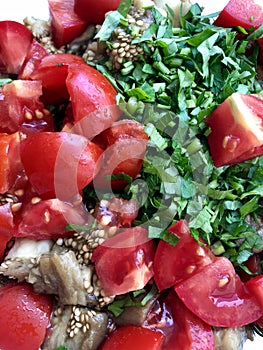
(131, 143)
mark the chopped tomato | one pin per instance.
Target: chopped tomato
(25, 317)
(182, 329)
(15, 42)
(128, 337)
(242, 13)
(255, 287)
(66, 25)
(94, 11)
(93, 100)
(35, 55)
(10, 165)
(65, 164)
(53, 71)
(174, 264)
(21, 108)
(130, 254)
(125, 143)
(217, 295)
(6, 227)
(47, 219)
(236, 129)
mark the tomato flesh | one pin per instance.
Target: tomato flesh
(6, 227)
(66, 25)
(218, 297)
(242, 13)
(63, 153)
(236, 129)
(15, 42)
(131, 255)
(255, 286)
(125, 337)
(186, 258)
(24, 318)
(94, 11)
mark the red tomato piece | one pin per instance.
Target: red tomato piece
(236, 129)
(174, 264)
(94, 11)
(125, 143)
(255, 287)
(47, 219)
(93, 100)
(182, 329)
(21, 108)
(242, 13)
(15, 42)
(10, 165)
(53, 71)
(66, 25)
(131, 254)
(35, 55)
(126, 337)
(6, 227)
(217, 295)
(25, 317)
(67, 164)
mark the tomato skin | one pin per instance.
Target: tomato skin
(34, 56)
(47, 219)
(52, 70)
(6, 227)
(184, 329)
(10, 165)
(94, 11)
(236, 129)
(15, 42)
(186, 258)
(93, 100)
(126, 337)
(255, 287)
(67, 164)
(218, 297)
(24, 318)
(242, 13)
(66, 25)
(131, 255)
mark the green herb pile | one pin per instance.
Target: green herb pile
(186, 74)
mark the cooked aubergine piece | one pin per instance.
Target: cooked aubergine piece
(231, 338)
(76, 328)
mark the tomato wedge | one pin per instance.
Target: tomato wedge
(125, 337)
(130, 254)
(93, 100)
(236, 129)
(255, 286)
(242, 13)
(217, 295)
(15, 42)
(173, 264)
(66, 25)
(25, 317)
(65, 165)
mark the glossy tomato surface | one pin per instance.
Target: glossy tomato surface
(66, 25)
(218, 297)
(68, 162)
(94, 10)
(25, 317)
(173, 264)
(242, 13)
(130, 254)
(129, 337)
(93, 100)
(15, 42)
(236, 129)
